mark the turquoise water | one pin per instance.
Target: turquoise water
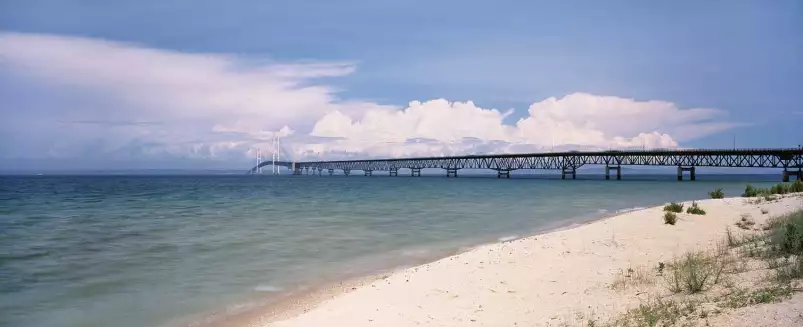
(176, 250)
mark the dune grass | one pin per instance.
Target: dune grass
(674, 207)
(767, 193)
(717, 194)
(694, 209)
(670, 218)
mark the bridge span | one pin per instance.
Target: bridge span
(790, 160)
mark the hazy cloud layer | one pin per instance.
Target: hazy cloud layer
(130, 101)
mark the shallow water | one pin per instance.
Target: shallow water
(167, 250)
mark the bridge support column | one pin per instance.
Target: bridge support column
(503, 173)
(297, 171)
(346, 172)
(368, 172)
(788, 173)
(618, 172)
(393, 172)
(415, 172)
(320, 171)
(691, 170)
(451, 172)
(331, 171)
(568, 170)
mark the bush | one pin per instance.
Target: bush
(695, 210)
(797, 186)
(750, 191)
(670, 218)
(787, 236)
(779, 189)
(782, 188)
(786, 241)
(717, 194)
(674, 207)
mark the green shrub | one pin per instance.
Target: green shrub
(797, 186)
(779, 189)
(695, 210)
(750, 191)
(674, 207)
(670, 218)
(717, 194)
(787, 237)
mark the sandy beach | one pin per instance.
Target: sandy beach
(562, 278)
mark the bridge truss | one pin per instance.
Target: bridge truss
(791, 160)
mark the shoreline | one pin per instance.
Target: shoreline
(287, 304)
(326, 300)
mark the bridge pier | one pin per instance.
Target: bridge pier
(503, 173)
(691, 170)
(415, 172)
(346, 172)
(618, 172)
(331, 171)
(368, 172)
(451, 172)
(788, 173)
(568, 170)
(320, 171)
(297, 171)
(393, 172)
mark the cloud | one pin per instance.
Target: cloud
(128, 101)
(575, 121)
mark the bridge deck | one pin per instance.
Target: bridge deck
(568, 162)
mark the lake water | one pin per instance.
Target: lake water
(174, 250)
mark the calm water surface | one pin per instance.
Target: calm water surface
(171, 250)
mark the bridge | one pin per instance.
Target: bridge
(790, 160)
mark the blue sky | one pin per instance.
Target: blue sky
(619, 71)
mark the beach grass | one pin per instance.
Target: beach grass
(717, 194)
(670, 218)
(674, 207)
(694, 209)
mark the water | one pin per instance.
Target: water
(173, 250)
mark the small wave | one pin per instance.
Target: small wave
(507, 238)
(630, 209)
(602, 210)
(267, 288)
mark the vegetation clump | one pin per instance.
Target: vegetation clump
(750, 191)
(670, 218)
(632, 278)
(694, 209)
(787, 237)
(695, 272)
(767, 193)
(783, 246)
(746, 222)
(717, 194)
(674, 207)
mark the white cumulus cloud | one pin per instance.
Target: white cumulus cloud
(126, 100)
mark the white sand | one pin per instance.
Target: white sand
(545, 280)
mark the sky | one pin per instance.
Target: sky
(199, 84)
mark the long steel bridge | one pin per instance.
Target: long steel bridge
(790, 160)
